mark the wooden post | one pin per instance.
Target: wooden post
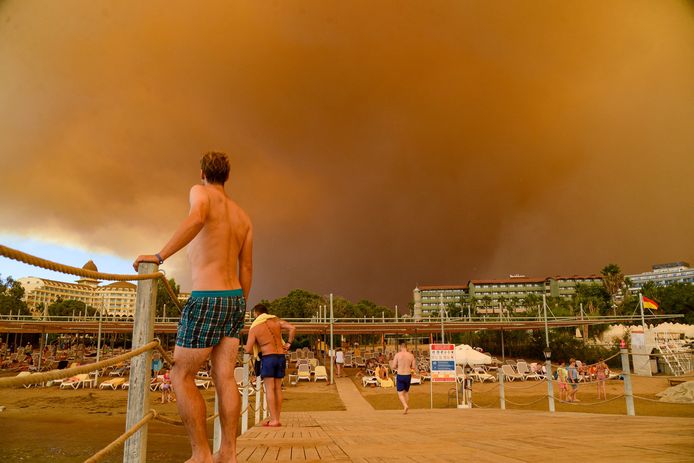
(135, 450)
(244, 396)
(258, 389)
(217, 427)
(502, 397)
(628, 391)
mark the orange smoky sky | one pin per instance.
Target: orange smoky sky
(376, 145)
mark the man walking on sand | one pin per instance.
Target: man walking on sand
(404, 364)
(220, 252)
(265, 336)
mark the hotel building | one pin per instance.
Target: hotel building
(117, 299)
(488, 294)
(663, 275)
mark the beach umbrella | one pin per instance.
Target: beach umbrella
(466, 355)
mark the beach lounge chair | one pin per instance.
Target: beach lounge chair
(126, 385)
(76, 381)
(510, 374)
(112, 383)
(348, 360)
(387, 382)
(523, 369)
(359, 362)
(482, 376)
(204, 383)
(320, 373)
(313, 363)
(304, 372)
(459, 374)
(369, 380)
(311, 355)
(120, 371)
(293, 357)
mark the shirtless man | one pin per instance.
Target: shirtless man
(266, 332)
(220, 254)
(404, 364)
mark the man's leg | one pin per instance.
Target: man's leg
(401, 396)
(271, 391)
(223, 364)
(191, 405)
(278, 397)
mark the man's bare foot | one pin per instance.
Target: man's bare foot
(272, 424)
(200, 460)
(406, 410)
(224, 457)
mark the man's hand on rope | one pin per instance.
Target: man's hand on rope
(148, 258)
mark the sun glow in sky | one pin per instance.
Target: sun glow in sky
(61, 253)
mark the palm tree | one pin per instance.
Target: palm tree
(613, 279)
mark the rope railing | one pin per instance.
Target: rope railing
(38, 378)
(101, 454)
(23, 257)
(621, 396)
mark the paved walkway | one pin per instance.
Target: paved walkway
(362, 434)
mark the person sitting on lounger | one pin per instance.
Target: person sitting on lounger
(382, 376)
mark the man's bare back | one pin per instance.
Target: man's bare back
(403, 363)
(218, 248)
(268, 336)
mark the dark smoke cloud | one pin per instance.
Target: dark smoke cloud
(376, 146)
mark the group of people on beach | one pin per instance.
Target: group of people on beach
(577, 371)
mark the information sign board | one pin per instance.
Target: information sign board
(442, 363)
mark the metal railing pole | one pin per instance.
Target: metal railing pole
(502, 398)
(628, 392)
(135, 450)
(244, 396)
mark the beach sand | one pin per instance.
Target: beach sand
(53, 425)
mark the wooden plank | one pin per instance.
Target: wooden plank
(298, 453)
(311, 453)
(323, 451)
(285, 453)
(258, 453)
(245, 452)
(271, 454)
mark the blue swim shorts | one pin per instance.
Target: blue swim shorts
(272, 366)
(402, 382)
(208, 316)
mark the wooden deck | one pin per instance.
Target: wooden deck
(361, 434)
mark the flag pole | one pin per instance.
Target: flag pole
(643, 319)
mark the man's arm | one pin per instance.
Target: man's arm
(292, 331)
(394, 362)
(413, 365)
(248, 348)
(246, 262)
(186, 231)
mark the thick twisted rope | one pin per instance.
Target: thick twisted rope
(175, 422)
(20, 256)
(528, 403)
(661, 401)
(101, 454)
(589, 403)
(80, 272)
(37, 378)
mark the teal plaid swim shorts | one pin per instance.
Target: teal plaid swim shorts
(208, 316)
